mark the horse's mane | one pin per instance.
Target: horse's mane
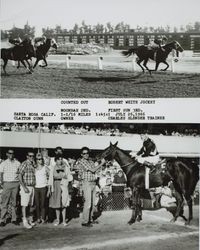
(169, 44)
(125, 152)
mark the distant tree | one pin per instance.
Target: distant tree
(175, 30)
(58, 29)
(4, 35)
(84, 27)
(25, 32)
(109, 27)
(189, 27)
(29, 31)
(182, 28)
(197, 26)
(75, 28)
(168, 28)
(99, 28)
(48, 32)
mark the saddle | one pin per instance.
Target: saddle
(160, 166)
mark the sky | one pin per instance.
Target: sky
(49, 13)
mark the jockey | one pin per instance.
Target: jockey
(148, 153)
(15, 41)
(158, 43)
(39, 40)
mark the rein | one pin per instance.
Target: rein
(128, 164)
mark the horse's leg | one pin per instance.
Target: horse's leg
(145, 65)
(45, 61)
(139, 203)
(29, 71)
(18, 66)
(30, 66)
(156, 67)
(166, 67)
(36, 62)
(138, 62)
(4, 66)
(180, 203)
(134, 207)
(189, 203)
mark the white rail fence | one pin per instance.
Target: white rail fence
(101, 63)
(186, 63)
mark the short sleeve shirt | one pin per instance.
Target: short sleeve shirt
(27, 171)
(10, 170)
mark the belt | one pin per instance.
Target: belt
(10, 181)
(57, 179)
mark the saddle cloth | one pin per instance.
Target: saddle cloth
(149, 168)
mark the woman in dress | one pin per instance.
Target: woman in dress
(59, 178)
(41, 175)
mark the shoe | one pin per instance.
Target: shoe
(87, 225)
(26, 224)
(16, 223)
(56, 223)
(65, 224)
(95, 222)
(2, 224)
(42, 221)
(31, 223)
(39, 221)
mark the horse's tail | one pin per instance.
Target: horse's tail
(128, 52)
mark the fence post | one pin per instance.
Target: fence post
(172, 64)
(174, 60)
(100, 65)
(133, 63)
(67, 61)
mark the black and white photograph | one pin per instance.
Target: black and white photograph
(100, 49)
(99, 186)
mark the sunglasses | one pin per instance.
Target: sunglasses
(30, 155)
(10, 153)
(39, 159)
(85, 153)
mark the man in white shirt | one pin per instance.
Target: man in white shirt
(9, 170)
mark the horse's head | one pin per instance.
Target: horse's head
(108, 153)
(53, 43)
(177, 46)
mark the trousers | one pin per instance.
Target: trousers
(89, 193)
(9, 193)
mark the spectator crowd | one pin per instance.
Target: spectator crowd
(87, 130)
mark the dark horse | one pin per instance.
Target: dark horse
(159, 55)
(184, 179)
(21, 52)
(41, 51)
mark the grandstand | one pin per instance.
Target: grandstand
(188, 40)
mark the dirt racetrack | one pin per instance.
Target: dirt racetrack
(81, 81)
(112, 233)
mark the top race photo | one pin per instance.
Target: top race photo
(100, 49)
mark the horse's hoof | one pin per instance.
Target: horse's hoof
(139, 218)
(130, 222)
(187, 223)
(173, 220)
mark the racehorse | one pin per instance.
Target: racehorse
(159, 55)
(184, 179)
(41, 51)
(21, 52)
